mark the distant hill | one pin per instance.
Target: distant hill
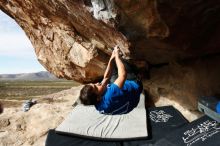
(43, 75)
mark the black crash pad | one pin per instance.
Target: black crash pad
(54, 139)
(201, 132)
(161, 120)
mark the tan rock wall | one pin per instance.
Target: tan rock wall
(73, 39)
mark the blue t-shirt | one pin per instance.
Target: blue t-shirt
(119, 101)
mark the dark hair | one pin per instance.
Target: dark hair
(88, 95)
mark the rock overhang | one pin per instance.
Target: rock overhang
(73, 39)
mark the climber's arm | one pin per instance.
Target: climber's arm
(122, 74)
(108, 71)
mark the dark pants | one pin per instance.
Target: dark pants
(130, 69)
(132, 73)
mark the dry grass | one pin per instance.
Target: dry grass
(12, 93)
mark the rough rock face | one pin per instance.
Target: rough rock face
(183, 83)
(72, 39)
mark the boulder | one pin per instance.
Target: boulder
(74, 39)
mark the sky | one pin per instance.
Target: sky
(16, 51)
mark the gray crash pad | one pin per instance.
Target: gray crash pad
(86, 121)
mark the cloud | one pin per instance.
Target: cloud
(13, 41)
(15, 44)
(16, 51)
(7, 24)
(14, 64)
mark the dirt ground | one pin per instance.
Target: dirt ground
(18, 128)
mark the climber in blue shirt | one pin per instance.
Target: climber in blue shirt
(118, 93)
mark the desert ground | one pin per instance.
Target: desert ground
(26, 128)
(19, 128)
